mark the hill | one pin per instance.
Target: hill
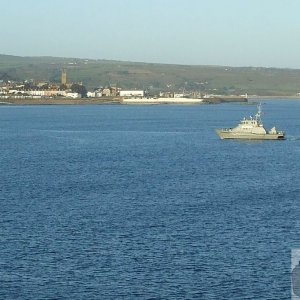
(135, 75)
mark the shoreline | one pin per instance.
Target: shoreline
(60, 101)
(119, 101)
(275, 97)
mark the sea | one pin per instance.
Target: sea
(146, 202)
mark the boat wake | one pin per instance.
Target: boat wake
(293, 138)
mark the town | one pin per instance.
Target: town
(44, 90)
(30, 89)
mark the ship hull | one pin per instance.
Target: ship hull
(244, 136)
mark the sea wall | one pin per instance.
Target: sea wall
(162, 101)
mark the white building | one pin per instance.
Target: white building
(132, 93)
(36, 93)
(73, 95)
(91, 94)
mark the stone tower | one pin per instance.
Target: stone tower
(63, 76)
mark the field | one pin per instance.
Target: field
(92, 73)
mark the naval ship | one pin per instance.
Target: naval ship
(251, 128)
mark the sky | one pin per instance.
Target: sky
(257, 33)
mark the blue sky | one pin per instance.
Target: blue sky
(261, 33)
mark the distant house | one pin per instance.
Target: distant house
(106, 92)
(91, 94)
(36, 93)
(42, 84)
(73, 95)
(95, 94)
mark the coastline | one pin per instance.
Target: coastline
(60, 101)
(119, 101)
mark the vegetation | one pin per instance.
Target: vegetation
(153, 77)
(79, 88)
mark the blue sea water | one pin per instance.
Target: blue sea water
(146, 202)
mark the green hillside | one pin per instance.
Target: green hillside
(134, 75)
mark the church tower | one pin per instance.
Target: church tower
(63, 76)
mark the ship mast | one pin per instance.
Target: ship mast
(258, 114)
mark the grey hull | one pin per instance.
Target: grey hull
(242, 136)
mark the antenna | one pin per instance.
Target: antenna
(259, 113)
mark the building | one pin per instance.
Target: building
(106, 92)
(91, 94)
(63, 76)
(73, 95)
(132, 93)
